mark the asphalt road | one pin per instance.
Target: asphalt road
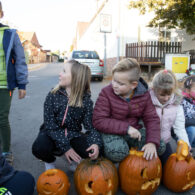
(26, 116)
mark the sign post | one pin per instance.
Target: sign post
(105, 27)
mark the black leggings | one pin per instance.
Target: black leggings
(44, 147)
(22, 183)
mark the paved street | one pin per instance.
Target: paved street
(27, 115)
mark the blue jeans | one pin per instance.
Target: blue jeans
(191, 135)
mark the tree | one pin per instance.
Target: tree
(169, 13)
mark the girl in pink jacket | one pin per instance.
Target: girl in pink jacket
(167, 101)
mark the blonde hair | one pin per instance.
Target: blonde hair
(131, 65)
(80, 83)
(165, 81)
(1, 7)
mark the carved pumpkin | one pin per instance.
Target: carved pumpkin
(138, 175)
(179, 170)
(54, 182)
(95, 177)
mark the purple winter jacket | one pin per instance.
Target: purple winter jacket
(113, 115)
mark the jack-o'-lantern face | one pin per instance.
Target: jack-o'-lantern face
(96, 177)
(54, 182)
(138, 175)
(179, 170)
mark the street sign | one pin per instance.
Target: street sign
(105, 23)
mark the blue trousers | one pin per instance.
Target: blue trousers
(191, 135)
(22, 183)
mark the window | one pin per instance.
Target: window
(164, 36)
(85, 55)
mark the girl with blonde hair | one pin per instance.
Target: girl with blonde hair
(67, 107)
(167, 98)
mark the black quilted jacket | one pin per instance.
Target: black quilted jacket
(77, 117)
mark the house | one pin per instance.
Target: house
(127, 26)
(33, 50)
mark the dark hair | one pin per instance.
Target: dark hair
(189, 82)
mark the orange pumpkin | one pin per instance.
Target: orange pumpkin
(179, 170)
(94, 177)
(138, 175)
(54, 182)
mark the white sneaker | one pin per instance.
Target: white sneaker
(49, 165)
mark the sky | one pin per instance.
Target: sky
(53, 21)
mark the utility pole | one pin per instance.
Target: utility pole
(105, 65)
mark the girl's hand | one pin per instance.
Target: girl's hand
(134, 133)
(94, 151)
(72, 155)
(149, 151)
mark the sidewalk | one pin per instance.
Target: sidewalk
(32, 67)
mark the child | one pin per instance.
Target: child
(118, 111)
(14, 182)
(189, 108)
(13, 73)
(66, 108)
(166, 99)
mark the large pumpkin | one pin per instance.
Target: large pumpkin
(94, 177)
(138, 175)
(54, 182)
(179, 170)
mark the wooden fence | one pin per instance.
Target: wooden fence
(152, 51)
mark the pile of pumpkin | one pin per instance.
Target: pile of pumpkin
(136, 175)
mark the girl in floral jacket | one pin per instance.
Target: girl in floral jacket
(189, 108)
(67, 107)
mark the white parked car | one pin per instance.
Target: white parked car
(90, 58)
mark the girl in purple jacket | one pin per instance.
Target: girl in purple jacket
(119, 109)
(167, 101)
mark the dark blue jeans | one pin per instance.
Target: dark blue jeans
(166, 154)
(22, 183)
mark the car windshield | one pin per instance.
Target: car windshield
(85, 55)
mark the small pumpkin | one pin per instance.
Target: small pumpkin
(138, 175)
(179, 170)
(94, 177)
(54, 182)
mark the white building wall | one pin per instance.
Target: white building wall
(125, 25)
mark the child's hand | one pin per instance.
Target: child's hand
(134, 133)
(72, 155)
(149, 151)
(95, 151)
(21, 93)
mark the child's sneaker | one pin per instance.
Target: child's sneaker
(8, 156)
(49, 165)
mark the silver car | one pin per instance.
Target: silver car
(90, 58)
